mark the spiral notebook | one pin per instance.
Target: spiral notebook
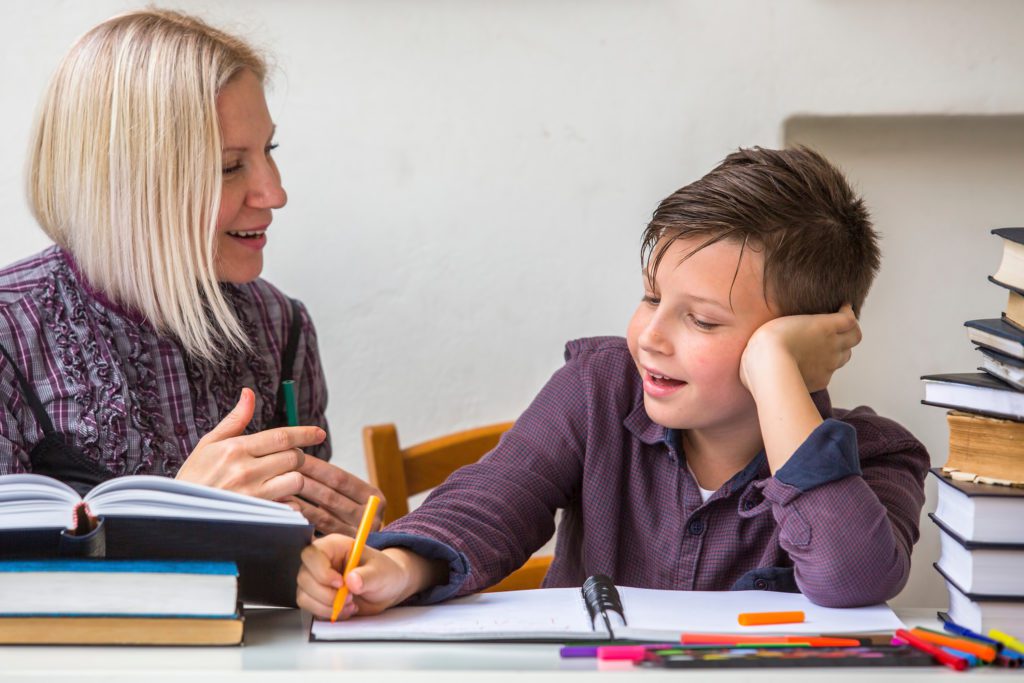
(563, 614)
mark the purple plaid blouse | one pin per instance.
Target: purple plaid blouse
(129, 398)
(836, 522)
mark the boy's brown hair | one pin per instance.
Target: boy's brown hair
(820, 250)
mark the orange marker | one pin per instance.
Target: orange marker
(355, 553)
(764, 618)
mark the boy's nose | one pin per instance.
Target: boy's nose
(653, 339)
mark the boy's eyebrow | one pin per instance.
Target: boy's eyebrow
(705, 300)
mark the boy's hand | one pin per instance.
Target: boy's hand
(818, 345)
(384, 579)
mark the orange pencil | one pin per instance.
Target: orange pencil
(985, 653)
(355, 554)
(763, 618)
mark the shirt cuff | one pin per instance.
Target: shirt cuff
(430, 549)
(828, 454)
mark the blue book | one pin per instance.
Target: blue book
(118, 588)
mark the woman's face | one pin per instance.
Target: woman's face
(251, 187)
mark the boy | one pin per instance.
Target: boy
(702, 452)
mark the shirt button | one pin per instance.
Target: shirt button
(761, 585)
(181, 430)
(696, 527)
(749, 504)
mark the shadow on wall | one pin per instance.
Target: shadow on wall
(936, 186)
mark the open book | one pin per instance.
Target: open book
(562, 614)
(156, 518)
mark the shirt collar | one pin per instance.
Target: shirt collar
(641, 426)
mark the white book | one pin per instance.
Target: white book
(993, 569)
(560, 614)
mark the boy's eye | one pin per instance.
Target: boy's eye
(703, 324)
(651, 299)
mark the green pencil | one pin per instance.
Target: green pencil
(291, 408)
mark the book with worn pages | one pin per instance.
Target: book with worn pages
(988, 447)
(156, 518)
(566, 614)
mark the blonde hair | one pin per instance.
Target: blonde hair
(125, 168)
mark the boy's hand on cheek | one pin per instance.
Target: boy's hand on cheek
(816, 345)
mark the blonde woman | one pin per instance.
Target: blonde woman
(143, 341)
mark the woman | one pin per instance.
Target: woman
(123, 346)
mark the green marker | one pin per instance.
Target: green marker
(291, 408)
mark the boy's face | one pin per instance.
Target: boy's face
(687, 341)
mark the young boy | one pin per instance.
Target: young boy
(702, 451)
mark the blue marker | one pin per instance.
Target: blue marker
(968, 633)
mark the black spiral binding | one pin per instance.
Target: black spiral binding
(601, 597)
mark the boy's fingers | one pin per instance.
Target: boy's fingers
(311, 605)
(316, 590)
(326, 556)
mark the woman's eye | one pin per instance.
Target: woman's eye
(228, 170)
(270, 148)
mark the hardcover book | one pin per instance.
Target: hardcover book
(996, 333)
(981, 568)
(156, 518)
(980, 512)
(119, 631)
(982, 613)
(974, 392)
(1010, 273)
(86, 587)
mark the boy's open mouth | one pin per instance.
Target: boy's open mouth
(660, 381)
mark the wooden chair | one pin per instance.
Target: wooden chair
(403, 472)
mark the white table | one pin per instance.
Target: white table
(276, 649)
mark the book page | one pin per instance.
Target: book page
(152, 496)
(541, 614)
(34, 501)
(659, 614)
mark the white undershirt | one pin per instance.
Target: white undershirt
(704, 493)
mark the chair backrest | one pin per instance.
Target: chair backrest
(402, 472)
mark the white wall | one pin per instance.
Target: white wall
(469, 179)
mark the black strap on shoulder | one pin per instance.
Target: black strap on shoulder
(30, 396)
(288, 359)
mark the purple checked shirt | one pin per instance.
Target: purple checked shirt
(128, 397)
(836, 522)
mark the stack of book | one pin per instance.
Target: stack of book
(981, 490)
(140, 560)
(119, 602)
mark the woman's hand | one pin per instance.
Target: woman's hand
(333, 499)
(265, 464)
(383, 579)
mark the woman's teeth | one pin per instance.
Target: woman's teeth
(245, 233)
